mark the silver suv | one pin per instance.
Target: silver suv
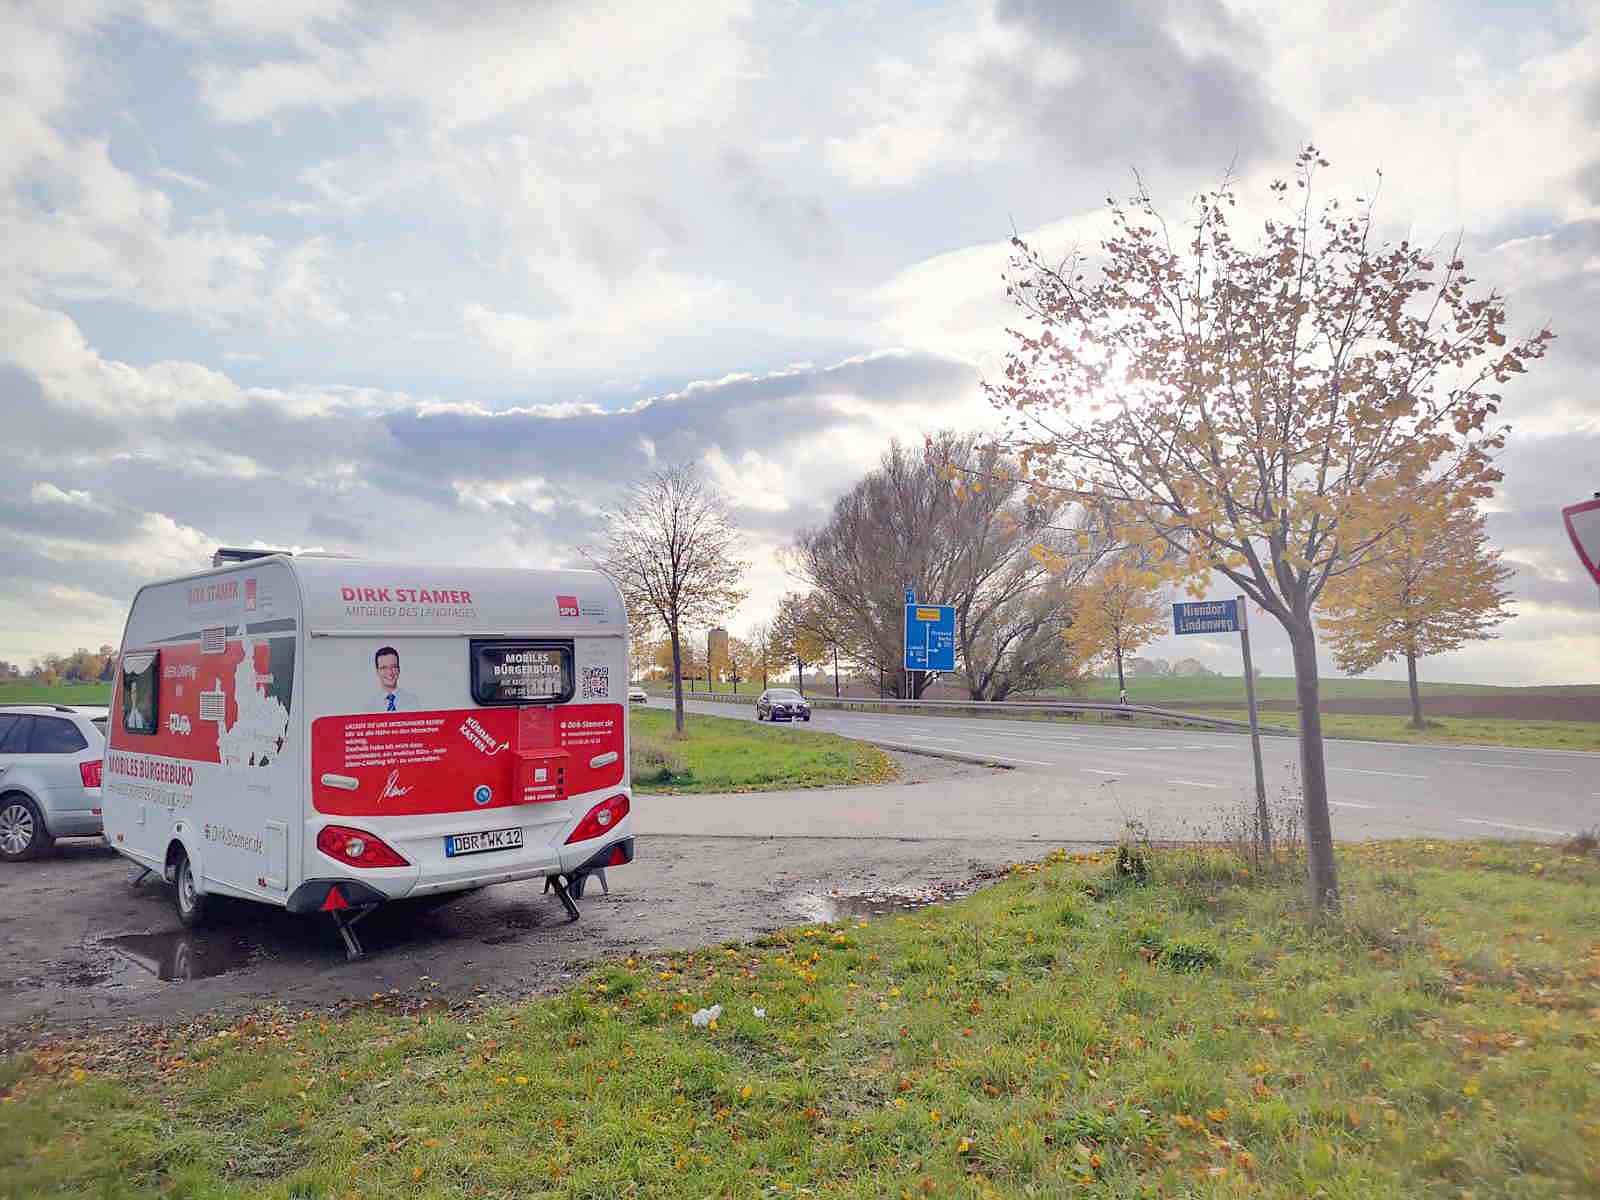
(50, 763)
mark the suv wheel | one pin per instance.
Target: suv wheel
(22, 831)
(193, 907)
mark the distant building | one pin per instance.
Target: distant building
(717, 652)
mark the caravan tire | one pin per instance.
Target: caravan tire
(193, 908)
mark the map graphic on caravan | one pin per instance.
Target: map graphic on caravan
(327, 735)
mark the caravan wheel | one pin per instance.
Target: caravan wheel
(193, 907)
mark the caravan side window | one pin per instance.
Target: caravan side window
(521, 672)
(141, 691)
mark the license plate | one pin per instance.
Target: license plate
(457, 844)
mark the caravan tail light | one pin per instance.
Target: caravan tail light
(89, 772)
(602, 816)
(357, 847)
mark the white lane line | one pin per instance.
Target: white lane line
(1516, 767)
(1194, 783)
(1521, 828)
(1113, 774)
(1363, 771)
(1348, 804)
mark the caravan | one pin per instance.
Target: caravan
(326, 734)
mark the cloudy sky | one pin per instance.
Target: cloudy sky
(395, 281)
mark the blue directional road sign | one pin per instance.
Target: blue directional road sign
(930, 637)
(1206, 616)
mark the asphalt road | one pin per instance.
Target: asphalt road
(1375, 788)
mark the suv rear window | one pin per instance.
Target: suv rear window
(55, 735)
(14, 733)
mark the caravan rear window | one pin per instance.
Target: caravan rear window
(141, 675)
(521, 672)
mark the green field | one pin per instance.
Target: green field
(1178, 1027)
(1441, 731)
(718, 754)
(14, 692)
(1170, 690)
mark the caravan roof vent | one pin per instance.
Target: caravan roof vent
(231, 554)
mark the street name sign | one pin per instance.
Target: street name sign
(1207, 616)
(930, 637)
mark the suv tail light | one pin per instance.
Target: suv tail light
(357, 847)
(90, 772)
(602, 817)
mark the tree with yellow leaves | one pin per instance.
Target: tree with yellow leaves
(1433, 586)
(1118, 611)
(1261, 412)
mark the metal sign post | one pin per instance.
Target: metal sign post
(1230, 616)
(1255, 725)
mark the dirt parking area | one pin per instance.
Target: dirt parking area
(82, 948)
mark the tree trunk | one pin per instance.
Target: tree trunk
(800, 674)
(677, 682)
(1122, 684)
(836, 672)
(1324, 878)
(1416, 696)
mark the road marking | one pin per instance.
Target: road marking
(1113, 774)
(1522, 828)
(1348, 804)
(1194, 783)
(1515, 767)
(1363, 771)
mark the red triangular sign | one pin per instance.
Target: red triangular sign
(335, 900)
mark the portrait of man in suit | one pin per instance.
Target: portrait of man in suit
(391, 696)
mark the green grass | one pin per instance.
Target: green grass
(1068, 1032)
(22, 692)
(1281, 687)
(718, 754)
(1442, 731)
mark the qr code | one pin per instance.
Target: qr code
(596, 683)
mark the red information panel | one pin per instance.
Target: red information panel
(402, 764)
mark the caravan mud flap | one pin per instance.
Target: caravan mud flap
(316, 896)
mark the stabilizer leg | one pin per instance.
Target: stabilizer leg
(136, 875)
(556, 884)
(346, 923)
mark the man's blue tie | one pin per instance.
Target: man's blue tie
(391, 701)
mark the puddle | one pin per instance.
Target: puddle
(828, 907)
(178, 956)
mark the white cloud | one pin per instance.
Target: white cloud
(754, 482)
(49, 493)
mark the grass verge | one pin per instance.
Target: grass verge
(1180, 1028)
(719, 754)
(1443, 731)
(22, 692)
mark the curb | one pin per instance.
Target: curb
(978, 760)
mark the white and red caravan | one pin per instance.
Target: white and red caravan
(327, 734)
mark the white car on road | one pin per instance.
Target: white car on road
(50, 762)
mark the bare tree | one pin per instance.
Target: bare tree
(670, 548)
(946, 524)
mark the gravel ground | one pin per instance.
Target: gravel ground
(81, 949)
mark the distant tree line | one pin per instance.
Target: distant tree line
(81, 666)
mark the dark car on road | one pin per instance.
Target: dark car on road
(782, 704)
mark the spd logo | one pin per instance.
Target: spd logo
(482, 794)
(566, 606)
(178, 723)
